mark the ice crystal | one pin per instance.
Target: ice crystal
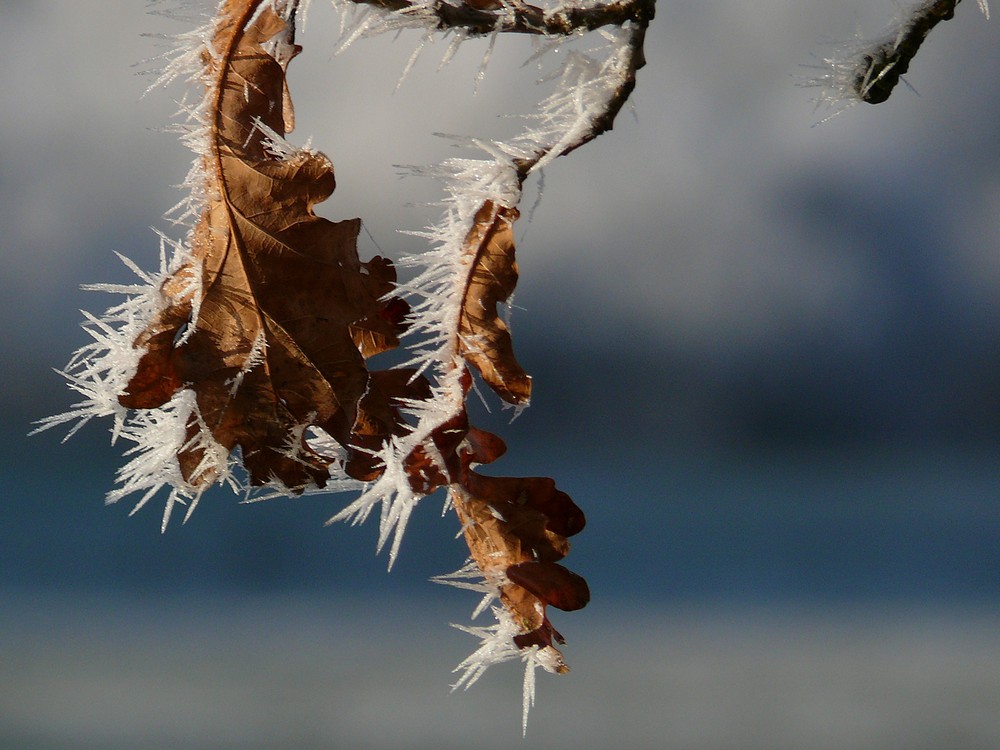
(497, 646)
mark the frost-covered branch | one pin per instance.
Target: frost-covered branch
(873, 68)
(590, 103)
(481, 17)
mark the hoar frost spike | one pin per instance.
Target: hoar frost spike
(245, 359)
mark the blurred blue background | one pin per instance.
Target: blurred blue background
(767, 366)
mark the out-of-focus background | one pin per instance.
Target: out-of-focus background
(767, 366)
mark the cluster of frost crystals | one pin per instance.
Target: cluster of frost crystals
(496, 642)
(860, 64)
(158, 435)
(846, 77)
(101, 370)
(497, 646)
(359, 21)
(585, 83)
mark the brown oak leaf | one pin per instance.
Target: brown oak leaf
(484, 340)
(273, 336)
(516, 529)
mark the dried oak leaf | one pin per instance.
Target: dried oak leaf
(483, 339)
(517, 530)
(273, 336)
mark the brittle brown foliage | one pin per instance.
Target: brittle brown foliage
(484, 340)
(271, 323)
(284, 313)
(272, 319)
